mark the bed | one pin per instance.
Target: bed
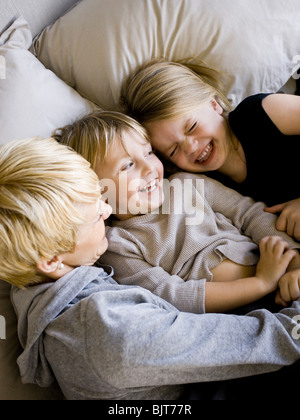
(59, 59)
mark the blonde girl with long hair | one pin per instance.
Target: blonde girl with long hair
(254, 148)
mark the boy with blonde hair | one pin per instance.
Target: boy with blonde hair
(42, 210)
(204, 263)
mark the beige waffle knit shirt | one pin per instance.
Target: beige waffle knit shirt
(172, 254)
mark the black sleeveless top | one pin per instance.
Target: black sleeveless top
(273, 159)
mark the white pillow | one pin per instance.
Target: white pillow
(96, 45)
(34, 101)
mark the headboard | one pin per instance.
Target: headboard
(38, 13)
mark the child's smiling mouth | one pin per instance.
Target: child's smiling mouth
(150, 186)
(205, 154)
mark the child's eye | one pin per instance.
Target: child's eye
(173, 152)
(192, 128)
(149, 152)
(127, 166)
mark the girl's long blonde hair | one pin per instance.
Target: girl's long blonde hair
(163, 89)
(41, 183)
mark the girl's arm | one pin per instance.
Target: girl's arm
(275, 257)
(246, 214)
(226, 296)
(284, 111)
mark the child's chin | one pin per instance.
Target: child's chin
(156, 203)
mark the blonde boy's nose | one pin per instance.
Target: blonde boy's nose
(107, 211)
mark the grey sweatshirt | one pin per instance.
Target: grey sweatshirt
(201, 223)
(102, 340)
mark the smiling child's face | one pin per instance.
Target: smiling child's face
(197, 142)
(136, 173)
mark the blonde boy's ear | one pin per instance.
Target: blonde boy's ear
(50, 266)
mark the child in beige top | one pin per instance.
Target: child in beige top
(195, 246)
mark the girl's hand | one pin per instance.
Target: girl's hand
(289, 219)
(289, 288)
(275, 257)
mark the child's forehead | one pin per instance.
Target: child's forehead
(130, 137)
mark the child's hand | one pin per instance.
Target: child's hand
(289, 288)
(289, 219)
(275, 257)
(295, 263)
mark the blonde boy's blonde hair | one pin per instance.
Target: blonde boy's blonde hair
(163, 89)
(92, 135)
(41, 185)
